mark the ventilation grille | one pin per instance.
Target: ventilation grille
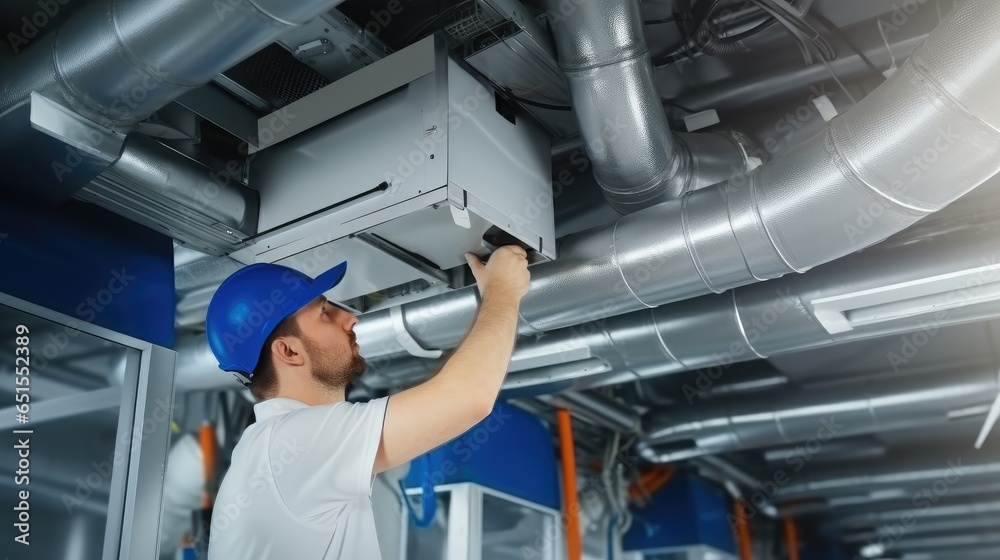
(471, 21)
(276, 76)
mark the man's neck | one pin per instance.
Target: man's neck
(315, 395)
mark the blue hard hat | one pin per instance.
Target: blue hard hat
(251, 302)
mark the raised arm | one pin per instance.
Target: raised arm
(463, 392)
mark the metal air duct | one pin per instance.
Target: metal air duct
(637, 160)
(713, 332)
(925, 137)
(820, 414)
(957, 272)
(962, 473)
(116, 62)
(112, 65)
(155, 186)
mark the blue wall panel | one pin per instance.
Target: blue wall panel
(88, 263)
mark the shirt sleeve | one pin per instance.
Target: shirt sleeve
(324, 454)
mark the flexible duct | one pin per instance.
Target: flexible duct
(116, 62)
(925, 137)
(851, 409)
(638, 162)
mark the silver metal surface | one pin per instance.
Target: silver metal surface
(171, 48)
(419, 158)
(147, 461)
(517, 383)
(897, 480)
(637, 160)
(608, 412)
(391, 73)
(825, 199)
(166, 191)
(211, 103)
(858, 408)
(714, 332)
(84, 135)
(522, 59)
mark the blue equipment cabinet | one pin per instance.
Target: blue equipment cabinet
(687, 512)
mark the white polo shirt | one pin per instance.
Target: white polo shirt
(300, 484)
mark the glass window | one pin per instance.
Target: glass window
(423, 543)
(66, 464)
(512, 531)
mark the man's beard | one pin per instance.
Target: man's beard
(329, 371)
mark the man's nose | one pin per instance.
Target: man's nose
(350, 320)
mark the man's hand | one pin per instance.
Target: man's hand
(506, 273)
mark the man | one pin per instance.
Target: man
(300, 481)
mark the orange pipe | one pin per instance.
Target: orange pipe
(210, 461)
(792, 538)
(574, 544)
(743, 531)
(649, 482)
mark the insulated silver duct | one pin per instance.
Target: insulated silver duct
(713, 332)
(973, 523)
(820, 414)
(925, 137)
(637, 160)
(964, 472)
(116, 62)
(940, 511)
(165, 190)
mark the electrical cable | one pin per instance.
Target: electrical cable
(539, 104)
(789, 26)
(885, 39)
(699, 34)
(791, 18)
(822, 20)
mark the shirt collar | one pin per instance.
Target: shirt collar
(276, 407)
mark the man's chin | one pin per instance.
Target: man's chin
(358, 367)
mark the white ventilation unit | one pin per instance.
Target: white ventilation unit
(399, 168)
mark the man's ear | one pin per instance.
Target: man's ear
(288, 350)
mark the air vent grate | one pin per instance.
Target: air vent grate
(276, 76)
(471, 21)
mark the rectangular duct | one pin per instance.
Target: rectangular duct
(399, 168)
(934, 294)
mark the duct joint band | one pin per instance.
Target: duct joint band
(689, 243)
(614, 254)
(136, 62)
(931, 83)
(743, 332)
(663, 343)
(406, 340)
(602, 62)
